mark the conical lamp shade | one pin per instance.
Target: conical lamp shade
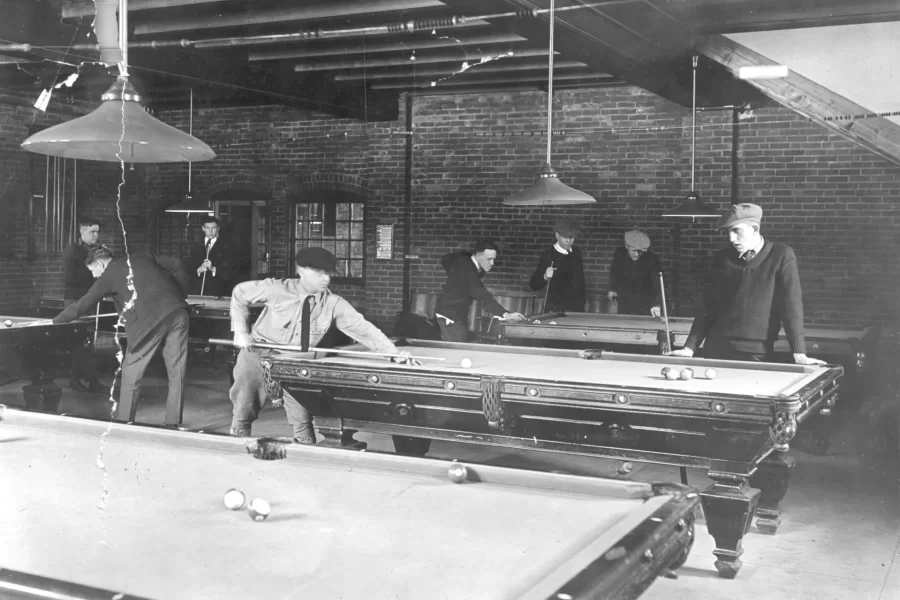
(549, 191)
(119, 130)
(190, 205)
(692, 208)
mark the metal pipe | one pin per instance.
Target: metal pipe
(550, 81)
(391, 62)
(693, 121)
(47, 204)
(435, 42)
(304, 12)
(77, 9)
(450, 70)
(75, 199)
(107, 31)
(536, 79)
(123, 36)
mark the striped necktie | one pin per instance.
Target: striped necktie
(749, 255)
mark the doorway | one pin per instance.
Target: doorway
(246, 233)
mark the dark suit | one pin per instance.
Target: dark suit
(215, 285)
(154, 315)
(77, 280)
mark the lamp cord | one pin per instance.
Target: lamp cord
(550, 82)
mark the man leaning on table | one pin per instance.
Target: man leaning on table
(753, 289)
(297, 312)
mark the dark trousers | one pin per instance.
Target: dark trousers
(83, 365)
(458, 331)
(721, 349)
(172, 335)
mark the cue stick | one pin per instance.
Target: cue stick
(96, 318)
(203, 283)
(547, 291)
(662, 293)
(324, 350)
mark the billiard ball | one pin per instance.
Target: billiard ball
(625, 468)
(686, 374)
(8, 323)
(552, 323)
(466, 363)
(259, 509)
(665, 371)
(672, 373)
(234, 499)
(710, 373)
(458, 473)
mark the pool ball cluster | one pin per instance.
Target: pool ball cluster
(673, 373)
(258, 509)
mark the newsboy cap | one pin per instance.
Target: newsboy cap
(740, 213)
(637, 240)
(566, 228)
(316, 258)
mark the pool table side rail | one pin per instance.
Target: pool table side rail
(16, 585)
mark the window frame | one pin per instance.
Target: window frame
(333, 197)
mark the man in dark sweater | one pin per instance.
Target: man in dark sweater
(149, 292)
(753, 289)
(561, 270)
(208, 262)
(634, 277)
(463, 285)
(77, 280)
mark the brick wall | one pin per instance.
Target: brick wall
(834, 202)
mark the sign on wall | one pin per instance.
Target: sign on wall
(384, 242)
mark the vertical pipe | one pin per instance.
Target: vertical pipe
(676, 279)
(74, 200)
(693, 121)
(47, 205)
(735, 146)
(123, 36)
(407, 206)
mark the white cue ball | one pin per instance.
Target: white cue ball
(552, 323)
(687, 374)
(259, 509)
(465, 363)
(8, 323)
(710, 373)
(234, 499)
(672, 373)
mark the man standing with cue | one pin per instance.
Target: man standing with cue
(209, 262)
(298, 312)
(560, 271)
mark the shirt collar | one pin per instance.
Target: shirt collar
(475, 262)
(756, 250)
(560, 249)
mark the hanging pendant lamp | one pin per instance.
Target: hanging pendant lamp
(119, 130)
(548, 190)
(692, 207)
(190, 204)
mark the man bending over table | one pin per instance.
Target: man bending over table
(297, 312)
(753, 288)
(463, 286)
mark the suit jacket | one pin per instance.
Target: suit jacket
(216, 285)
(77, 278)
(160, 282)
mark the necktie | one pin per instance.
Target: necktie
(749, 255)
(208, 246)
(304, 324)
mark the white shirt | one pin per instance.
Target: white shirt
(560, 249)
(756, 249)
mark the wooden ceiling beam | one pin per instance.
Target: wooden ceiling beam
(876, 134)
(739, 16)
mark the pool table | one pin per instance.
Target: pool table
(737, 425)
(39, 353)
(143, 514)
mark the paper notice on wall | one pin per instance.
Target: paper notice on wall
(384, 242)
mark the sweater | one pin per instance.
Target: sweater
(746, 304)
(635, 281)
(566, 287)
(77, 278)
(464, 285)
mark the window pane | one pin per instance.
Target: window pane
(356, 250)
(315, 230)
(342, 250)
(260, 251)
(341, 268)
(328, 246)
(315, 212)
(343, 212)
(313, 244)
(356, 269)
(300, 230)
(343, 231)
(299, 246)
(358, 211)
(356, 231)
(302, 212)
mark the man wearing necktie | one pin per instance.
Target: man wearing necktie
(753, 290)
(297, 312)
(463, 286)
(208, 262)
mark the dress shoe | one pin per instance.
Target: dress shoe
(76, 384)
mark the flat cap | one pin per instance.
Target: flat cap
(316, 258)
(566, 228)
(637, 240)
(740, 213)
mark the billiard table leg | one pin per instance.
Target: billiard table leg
(729, 505)
(772, 477)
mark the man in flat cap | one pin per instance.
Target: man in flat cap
(753, 290)
(297, 312)
(634, 277)
(560, 269)
(462, 287)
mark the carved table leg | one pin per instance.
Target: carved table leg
(729, 504)
(772, 477)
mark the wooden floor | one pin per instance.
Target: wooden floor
(840, 532)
